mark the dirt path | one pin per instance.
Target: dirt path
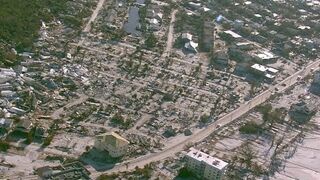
(94, 16)
(57, 113)
(170, 34)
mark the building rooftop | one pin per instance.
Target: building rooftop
(269, 76)
(233, 34)
(187, 36)
(74, 170)
(212, 161)
(243, 43)
(263, 68)
(259, 67)
(114, 139)
(5, 122)
(265, 55)
(192, 46)
(272, 70)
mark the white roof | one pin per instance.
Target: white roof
(195, 4)
(243, 43)
(269, 76)
(7, 72)
(265, 55)
(212, 161)
(233, 34)
(263, 68)
(205, 9)
(259, 67)
(258, 15)
(160, 15)
(154, 21)
(191, 46)
(2, 121)
(186, 36)
(272, 70)
(304, 27)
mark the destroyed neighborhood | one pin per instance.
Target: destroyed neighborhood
(160, 89)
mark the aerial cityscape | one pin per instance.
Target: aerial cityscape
(160, 89)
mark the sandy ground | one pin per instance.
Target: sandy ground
(24, 164)
(72, 143)
(305, 164)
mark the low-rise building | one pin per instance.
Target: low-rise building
(232, 34)
(24, 125)
(113, 143)
(267, 72)
(5, 123)
(194, 5)
(205, 166)
(191, 46)
(265, 56)
(74, 170)
(154, 24)
(245, 46)
(186, 37)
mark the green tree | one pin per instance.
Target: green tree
(31, 135)
(47, 141)
(250, 128)
(204, 118)
(151, 41)
(4, 146)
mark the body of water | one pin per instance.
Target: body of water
(133, 23)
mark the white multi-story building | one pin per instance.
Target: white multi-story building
(113, 143)
(204, 165)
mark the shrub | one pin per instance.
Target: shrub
(167, 97)
(4, 146)
(47, 140)
(250, 128)
(204, 119)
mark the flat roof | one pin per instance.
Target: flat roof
(272, 70)
(265, 55)
(212, 161)
(269, 76)
(259, 67)
(233, 34)
(186, 36)
(243, 43)
(263, 68)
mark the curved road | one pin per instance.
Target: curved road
(244, 108)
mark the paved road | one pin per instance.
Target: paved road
(244, 108)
